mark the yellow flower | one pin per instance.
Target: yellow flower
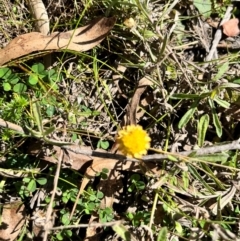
(133, 141)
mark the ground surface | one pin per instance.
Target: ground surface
(164, 65)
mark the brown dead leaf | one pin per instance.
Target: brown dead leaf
(231, 27)
(111, 164)
(70, 158)
(99, 163)
(233, 111)
(13, 218)
(80, 39)
(110, 186)
(39, 223)
(93, 233)
(142, 85)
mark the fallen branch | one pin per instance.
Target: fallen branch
(234, 145)
(108, 224)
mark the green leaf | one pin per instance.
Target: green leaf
(122, 232)
(215, 157)
(162, 235)
(104, 144)
(92, 197)
(7, 87)
(42, 180)
(65, 199)
(222, 103)
(222, 69)
(65, 219)
(204, 7)
(211, 175)
(33, 79)
(26, 179)
(229, 85)
(202, 129)
(163, 46)
(74, 137)
(147, 34)
(38, 68)
(216, 120)
(135, 177)
(188, 115)
(59, 236)
(37, 115)
(140, 185)
(184, 96)
(13, 79)
(50, 110)
(178, 227)
(31, 187)
(105, 170)
(198, 177)
(172, 158)
(19, 88)
(131, 188)
(5, 73)
(100, 195)
(49, 130)
(68, 233)
(236, 81)
(53, 76)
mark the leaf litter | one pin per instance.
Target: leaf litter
(157, 74)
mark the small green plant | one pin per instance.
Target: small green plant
(136, 183)
(29, 185)
(10, 81)
(103, 144)
(139, 218)
(103, 174)
(65, 234)
(69, 195)
(37, 74)
(106, 214)
(90, 201)
(13, 110)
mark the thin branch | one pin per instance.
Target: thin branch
(109, 224)
(234, 145)
(49, 210)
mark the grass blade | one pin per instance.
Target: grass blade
(202, 129)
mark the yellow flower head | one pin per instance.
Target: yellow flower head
(133, 141)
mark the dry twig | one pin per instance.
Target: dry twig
(50, 209)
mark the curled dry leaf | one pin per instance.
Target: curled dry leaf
(231, 27)
(80, 39)
(142, 85)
